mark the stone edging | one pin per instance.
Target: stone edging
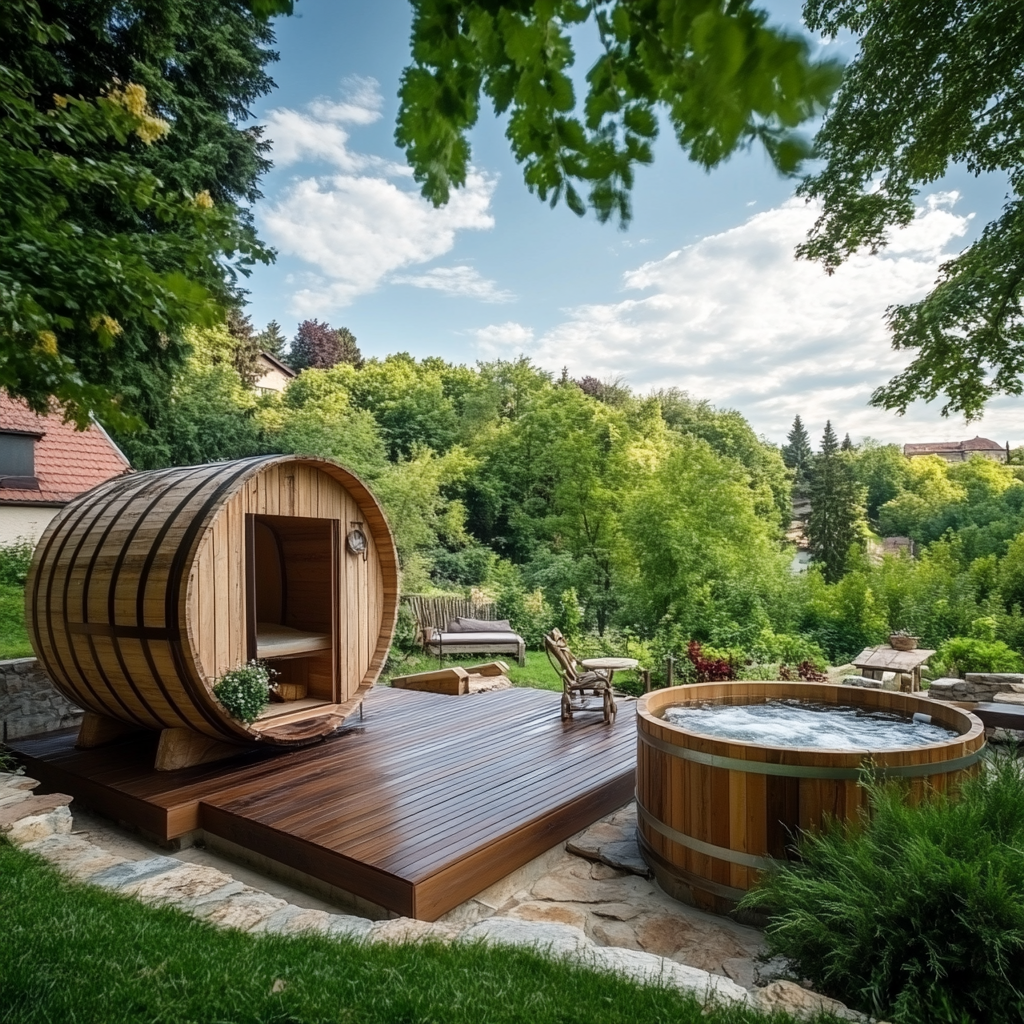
(42, 825)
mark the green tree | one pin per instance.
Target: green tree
(246, 355)
(348, 348)
(115, 233)
(695, 549)
(797, 452)
(208, 414)
(883, 470)
(936, 83)
(717, 72)
(272, 340)
(729, 434)
(836, 519)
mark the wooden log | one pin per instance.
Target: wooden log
(289, 691)
(452, 681)
(490, 668)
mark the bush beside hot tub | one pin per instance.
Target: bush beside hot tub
(916, 915)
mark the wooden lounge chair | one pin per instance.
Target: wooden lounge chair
(577, 682)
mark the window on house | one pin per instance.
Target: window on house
(18, 461)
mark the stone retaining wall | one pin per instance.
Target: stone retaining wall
(30, 703)
(976, 686)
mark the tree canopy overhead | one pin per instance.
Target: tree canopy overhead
(126, 182)
(936, 83)
(716, 70)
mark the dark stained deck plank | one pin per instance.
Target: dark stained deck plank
(429, 801)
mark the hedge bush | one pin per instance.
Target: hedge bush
(916, 914)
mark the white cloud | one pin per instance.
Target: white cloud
(459, 281)
(359, 224)
(317, 134)
(500, 339)
(736, 319)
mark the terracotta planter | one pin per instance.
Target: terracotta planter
(903, 643)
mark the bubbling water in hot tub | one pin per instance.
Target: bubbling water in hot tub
(797, 723)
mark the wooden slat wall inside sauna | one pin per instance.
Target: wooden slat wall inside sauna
(218, 592)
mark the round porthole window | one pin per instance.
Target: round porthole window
(356, 542)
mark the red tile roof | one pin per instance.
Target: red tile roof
(68, 461)
(975, 444)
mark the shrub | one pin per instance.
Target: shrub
(709, 665)
(529, 614)
(245, 691)
(915, 914)
(15, 560)
(805, 671)
(962, 654)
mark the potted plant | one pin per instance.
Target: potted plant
(245, 691)
(902, 640)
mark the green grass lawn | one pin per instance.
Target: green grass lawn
(537, 671)
(13, 635)
(73, 954)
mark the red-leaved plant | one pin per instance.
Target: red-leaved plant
(805, 671)
(709, 670)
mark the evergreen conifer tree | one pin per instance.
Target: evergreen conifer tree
(847, 445)
(349, 349)
(272, 340)
(837, 508)
(797, 453)
(246, 356)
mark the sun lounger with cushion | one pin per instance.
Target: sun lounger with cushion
(476, 636)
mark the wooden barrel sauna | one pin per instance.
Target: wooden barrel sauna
(147, 589)
(711, 812)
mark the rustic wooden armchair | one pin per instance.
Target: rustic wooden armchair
(578, 683)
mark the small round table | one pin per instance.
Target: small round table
(609, 665)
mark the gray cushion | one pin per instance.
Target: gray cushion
(469, 639)
(461, 625)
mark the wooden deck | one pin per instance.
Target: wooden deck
(421, 806)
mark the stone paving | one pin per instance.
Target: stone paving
(589, 900)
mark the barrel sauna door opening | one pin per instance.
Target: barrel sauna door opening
(292, 607)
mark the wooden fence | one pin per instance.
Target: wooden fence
(435, 612)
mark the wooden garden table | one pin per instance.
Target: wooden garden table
(609, 665)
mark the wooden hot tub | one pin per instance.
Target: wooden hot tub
(711, 812)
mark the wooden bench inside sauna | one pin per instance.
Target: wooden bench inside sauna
(146, 590)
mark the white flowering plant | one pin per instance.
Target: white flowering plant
(245, 691)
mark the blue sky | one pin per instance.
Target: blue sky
(701, 292)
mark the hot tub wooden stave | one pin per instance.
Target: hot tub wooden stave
(143, 592)
(711, 812)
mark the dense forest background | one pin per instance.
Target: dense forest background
(629, 521)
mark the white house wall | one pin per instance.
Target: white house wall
(24, 522)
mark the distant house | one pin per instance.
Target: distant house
(44, 463)
(959, 451)
(897, 546)
(275, 374)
